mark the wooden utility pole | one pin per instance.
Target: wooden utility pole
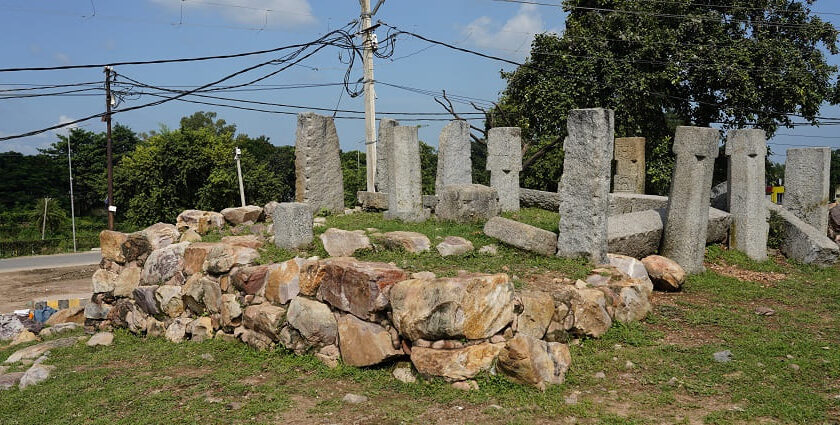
(107, 118)
(369, 44)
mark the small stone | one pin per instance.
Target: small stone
(208, 357)
(354, 398)
(23, 338)
(629, 365)
(488, 250)
(673, 381)
(403, 374)
(789, 356)
(409, 241)
(601, 375)
(764, 311)
(795, 367)
(454, 245)
(465, 385)
(571, 398)
(35, 375)
(723, 356)
(101, 338)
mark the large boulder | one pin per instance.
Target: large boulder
(522, 236)
(250, 280)
(455, 364)
(265, 318)
(202, 294)
(537, 311)
(528, 360)
(103, 281)
(282, 283)
(412, 242)
(177, 330)
(195, 254)
(579, 312)
(10, 327)
(364, 343)
(110, 243)
(161, 235)
(199, 221)
(222, 257)
(343, 243)
(127, 280)
(165, 265)
(67, 315)
(168, 298)
(357, 287)
(313, 320)
(665, 273)
(472, 307)
(239, 215)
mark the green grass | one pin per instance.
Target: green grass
(674, 378)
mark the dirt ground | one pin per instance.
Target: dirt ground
(18, 288)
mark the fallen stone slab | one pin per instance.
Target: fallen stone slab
(803, 242)
(239, 215)
(35, 351)
(412, 242)
(456, 364)
(466, 203)
(100, 338)
(373, 201)
(620, 203)
(9, 380)
(58, 329)
(454, 245)
(344, 243)
(248, 241)
(639, 234)
(522, 235)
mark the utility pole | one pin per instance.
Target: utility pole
(44, 220)
(239, 174)
(369, 44)
(111, 208)
(72, 210)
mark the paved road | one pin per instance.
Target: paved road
(37, 262)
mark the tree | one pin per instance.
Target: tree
(659, 64)
(835, 173)
(354, 174)
(428, 168)
(26, 178)
(48, 216)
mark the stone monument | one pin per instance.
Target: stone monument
(318, 178)
(504, 161)
(747, 150)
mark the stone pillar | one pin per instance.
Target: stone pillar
(383, 141)
(747, 150)
(629, 165)
(807, 185)
(684, 236)
(292, 225)
(504, 161)
(405, 201)
(318, 178)
(454, 162)
(585, 185)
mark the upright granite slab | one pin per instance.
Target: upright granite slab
(405, 201)
(684, 237)
(807, 185)
(504, 161)
(585, 185)
(293, 225)
(629, 165)
(746, 150)
(318, 178)
(454, 162)
(386, 135)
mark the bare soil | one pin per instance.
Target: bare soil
(18, 288)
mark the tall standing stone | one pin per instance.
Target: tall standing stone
(807, 185)
(504, 161)
(292, 225)
(746, 150)
(585, 185)
(386, 135)
(629, 165)
(318, 178)
(454, 161)
(405, 201)
(684, 236)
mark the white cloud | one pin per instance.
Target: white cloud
(514, 36)
(282, 13)
(62, 58)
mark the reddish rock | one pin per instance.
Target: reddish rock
(250, 280)
(283, 281)
(364, 343)
(455, 365)
(357, 287)
(194, 256)
(247, 241)
(239, 215)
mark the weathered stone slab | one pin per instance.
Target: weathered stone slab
(746, 150)
(412, 242)
(199, 221)
(373, 201)
(404, 179)
(629, 165)
(684, 235)
(454, 160)
(318, 178)
(625, 203)
(357, 287)
(807, 185)
(639, 234)
(248, 241)
(239, 215)
(522, 235)
(585, 185)
(504, 161)
(343, 243)
(454, 245)
(35, 351)
(383, 142)
(530, 361)
(110, 243)
(250, 280)
(457, 364)
(467, 203)
(293, 225)
(364, 343)
(283, 281)
(804, 243)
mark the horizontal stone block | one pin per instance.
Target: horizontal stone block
(639, 234)
(804, 243)
(522, 235)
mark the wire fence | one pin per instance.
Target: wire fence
(17, 248)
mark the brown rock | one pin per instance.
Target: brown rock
(67, 315)
(357, 287)
(231, 311)
(190, 235)
(23, 338)
(311, 274)
(455, 365)
(364, 343)
(283, 281)
(265, 318)
(530, 361)
(169, 300)
(136, 247)
(313, 320)
(111, 244)
(343, 243)
(256, 340)
(412, 242)
(250, 280)
(665, 273)
(239, 215)
(538, 309)
(201, 329)
(127, 280)
(584, 311)
(194, 256)
(247, 241)
(200, 221)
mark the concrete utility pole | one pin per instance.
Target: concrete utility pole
(239, 174)
(111, 208)
(72, 210)
(369, 42)
(44, 220)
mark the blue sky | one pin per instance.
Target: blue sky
(50, 33)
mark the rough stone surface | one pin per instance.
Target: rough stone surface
(66, 315)
(357, 287)
(665, 273)
(10, 380)
(199, 221)
(456, 364)
(404, 375)
(239, 215)
(629, 165)
(580, 312)
(684, 234)
(504, 161)
(803, 242)
(639, 234)
(405, 200)
(633, 268)
(169, 300)
(201, 329)
(283, 281)
(625, 203)
(103, 281)
(537, 311)
(412, 242)
(35, 351)
(23, 337)
(522, 236)
(314, 321)
(250, 280)
(127, 280)
(454, 162)
(194, 256)
(202, 294)
(177, 330)
(383, 146)
(530, 361)
(35, 375)
(100, 338)
(454, 245)
(807, 185)
(746, 150)
(10, 327)
(293, 225)
(160, 235)
(473, 307)
(373, 201)
(265, 318)
(364, 343)
(231, 311)
(164, 264)
(58, 329)
(318, 178)
(343, 243)
(247, 241)
(110, 242)
(585, 185)
(190, 235)
(467, 203)
(222, 257)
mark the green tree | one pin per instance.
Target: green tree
(354, 173)
(428, 168)
(736, 63)
(26, 178)
(48, 216)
